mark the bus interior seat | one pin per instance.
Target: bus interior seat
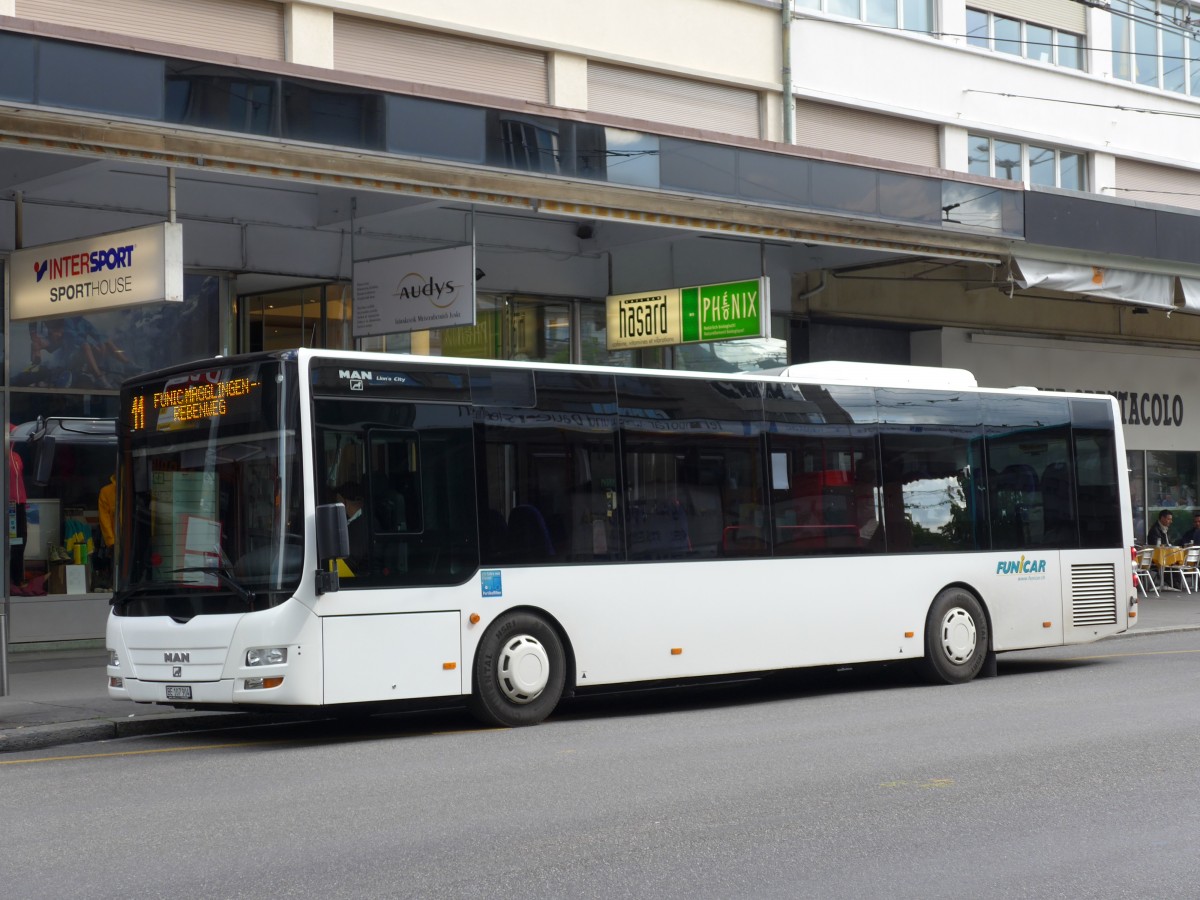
(528, 536)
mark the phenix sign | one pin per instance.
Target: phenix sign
(708, 312)
(92, 274)
(414, 292)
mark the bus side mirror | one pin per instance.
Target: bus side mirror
(333, 542)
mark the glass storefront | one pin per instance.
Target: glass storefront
(66, 371)
(1163, 480)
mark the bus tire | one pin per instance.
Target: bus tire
(956, 638)
(520, 670)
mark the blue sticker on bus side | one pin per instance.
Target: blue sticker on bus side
(491, 583)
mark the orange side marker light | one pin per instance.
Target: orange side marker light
(676, 651)
(449, 665)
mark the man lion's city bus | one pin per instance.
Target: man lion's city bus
(310, 528)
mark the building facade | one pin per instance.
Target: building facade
(1000, 186)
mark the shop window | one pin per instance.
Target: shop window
(61, 518)
(593, 338)
(518, 328)
(98, 351)
(315, 316)
(1171, 484)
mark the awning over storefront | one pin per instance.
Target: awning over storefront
(1190, 288)
(1122, 285)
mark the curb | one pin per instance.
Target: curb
(39, 737)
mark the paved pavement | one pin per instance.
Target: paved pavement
(59, 696)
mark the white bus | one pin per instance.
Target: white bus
(310, 528)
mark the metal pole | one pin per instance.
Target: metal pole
(789, 99)
(4, 654)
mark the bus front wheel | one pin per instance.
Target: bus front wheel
(520, 671)
(956, 638)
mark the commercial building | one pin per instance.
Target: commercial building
(1001, 186)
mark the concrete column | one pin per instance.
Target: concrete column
(954, 148)
(568, 80)
(1104, 174)
(308, 35)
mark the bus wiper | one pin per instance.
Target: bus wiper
(222, 575)
(120, 598)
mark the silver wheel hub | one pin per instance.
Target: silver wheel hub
(958, 636)
(523, 669)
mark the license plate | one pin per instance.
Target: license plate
(179, 692)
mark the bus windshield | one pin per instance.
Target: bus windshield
(212, 499)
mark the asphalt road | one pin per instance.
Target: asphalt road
(1073, 774)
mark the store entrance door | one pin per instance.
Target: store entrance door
(312, 316)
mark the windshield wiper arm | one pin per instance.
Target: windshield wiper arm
(120, 598)
(222, 575)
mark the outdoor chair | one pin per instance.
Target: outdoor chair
(1142, 569)
(1188, 568)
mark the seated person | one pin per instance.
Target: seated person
(350, 495)
(1159, 534)
(1192, 535)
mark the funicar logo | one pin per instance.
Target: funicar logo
(1021, 566)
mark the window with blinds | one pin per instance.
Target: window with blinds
(1069, 15)
(672, 100)
(1164, 185)
(245, 27)
(826, 127)
(425, 57)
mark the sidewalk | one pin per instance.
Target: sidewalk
(59, 696)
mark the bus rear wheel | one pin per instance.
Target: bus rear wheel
(520, 671)
(956, 638)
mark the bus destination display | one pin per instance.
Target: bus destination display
(179, 406)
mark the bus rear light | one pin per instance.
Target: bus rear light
(114, 681)
(258, 684)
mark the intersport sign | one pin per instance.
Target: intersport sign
(93, 274)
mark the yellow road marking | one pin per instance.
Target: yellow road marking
(17, 762)
(118, 753)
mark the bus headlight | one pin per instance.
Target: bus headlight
(113, 659)
(266, 656)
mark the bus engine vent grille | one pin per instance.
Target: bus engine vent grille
(1093, 595)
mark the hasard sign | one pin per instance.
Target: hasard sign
(689, 315)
